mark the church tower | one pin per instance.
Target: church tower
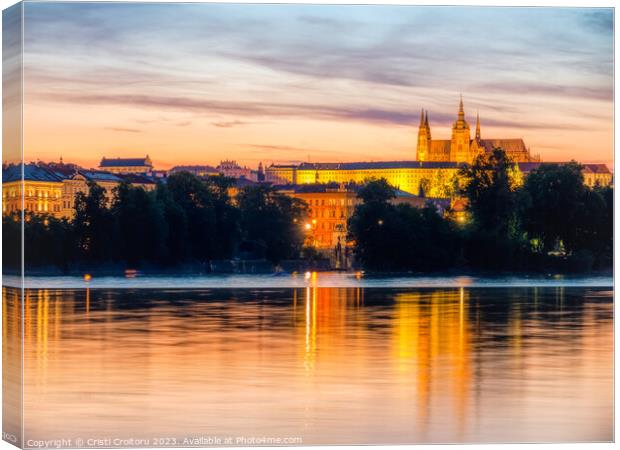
(424, 138)
(460, 142)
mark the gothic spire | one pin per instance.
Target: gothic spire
(477, 126)
(422, 118)
(461, 111)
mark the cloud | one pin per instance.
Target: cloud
(124, 130)
(230, 124)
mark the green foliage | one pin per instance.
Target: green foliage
(189, 219)
(400, 237)
(11, 241)
(141, 228)
(555, 195)
(93, 224)
(272, 220)
(512, 227)
(493, 199)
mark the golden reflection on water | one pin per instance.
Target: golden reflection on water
(330, 365)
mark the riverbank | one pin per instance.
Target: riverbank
(308, 279)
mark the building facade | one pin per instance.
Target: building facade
(51, 189)
(40, 192)
(281, 174)
(126, 165)
(461, 147)
(593, 174)
(331, 205)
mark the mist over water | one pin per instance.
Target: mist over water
(327, 365)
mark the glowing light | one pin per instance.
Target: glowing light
(380, 222)
(313, 221)
(87, 277)
(307, 275)
(131, 273)
(307, 226)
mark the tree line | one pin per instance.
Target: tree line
(551, 221)
(185, 220)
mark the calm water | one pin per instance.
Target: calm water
(327, 365)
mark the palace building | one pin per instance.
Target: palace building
(50, 189)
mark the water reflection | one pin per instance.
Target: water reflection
(330, 365)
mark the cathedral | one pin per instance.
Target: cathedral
(461, 147)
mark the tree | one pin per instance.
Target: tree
(594, 226)
(491, 191)
(555, 195)
(227, 216)
(494, 238)
(273, 220)
(11, 241)
(177, 236)
(197, 202)
(140, 224)
(400, 237)
(93, 224)
(48, 241)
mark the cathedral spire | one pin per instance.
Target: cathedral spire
(422, 118)
(477, 126)
(461, 111)
(426, 125)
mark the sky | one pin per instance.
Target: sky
(199, 83)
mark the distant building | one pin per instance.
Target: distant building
(593, 174)
(281, 173)
(231, 169)
(260, 173)
(126, 165)
(52, 188)
(199, 171)
(330, 206)
(434, 179)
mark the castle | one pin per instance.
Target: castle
(461, 148)
(433, 173)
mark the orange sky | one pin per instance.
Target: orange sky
(195, 84)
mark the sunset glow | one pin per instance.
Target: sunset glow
(199, 83)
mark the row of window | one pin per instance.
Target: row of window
(330, 202)
(333, 213)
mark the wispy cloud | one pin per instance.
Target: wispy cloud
(230, 124)
(124, 130)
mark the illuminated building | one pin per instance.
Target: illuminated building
(329, 208)
(40, 191)
(126, 165)
(281, 174)
(593, 174)
(433, 179)
(51, 189)
(461, 148)
(78, 182)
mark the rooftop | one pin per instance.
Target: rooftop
(379, 165)
(126, 162)
(32, 172)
